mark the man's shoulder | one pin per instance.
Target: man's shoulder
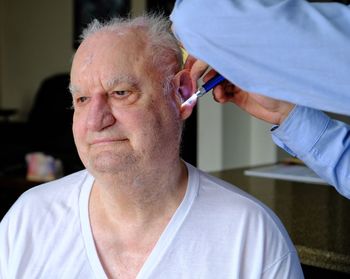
(63, 191)
(59, 186)
(232, 209)
(229, 200)
(217, 188)
(41, 217)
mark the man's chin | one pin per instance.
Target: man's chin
(113, 164)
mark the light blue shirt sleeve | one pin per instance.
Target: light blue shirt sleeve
(290, 50)
(322, 143)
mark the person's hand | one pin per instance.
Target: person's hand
(264, 108)
(196, 68)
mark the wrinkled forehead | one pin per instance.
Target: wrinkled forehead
(109, 47)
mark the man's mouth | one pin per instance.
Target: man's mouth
(108, 140)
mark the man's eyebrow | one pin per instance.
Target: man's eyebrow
(122, 79)
(73, 89)
(110, 83)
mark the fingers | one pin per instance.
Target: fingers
(226, 92)
(219, 94)
(222, 93)
(189, 62)
(209, 75)
(197, 68)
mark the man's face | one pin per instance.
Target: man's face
(122, 120)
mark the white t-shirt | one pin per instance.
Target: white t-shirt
(218, 231)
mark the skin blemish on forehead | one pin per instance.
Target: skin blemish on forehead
(87, 61)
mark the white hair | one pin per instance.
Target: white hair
(163, 49)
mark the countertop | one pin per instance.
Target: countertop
(315, 216)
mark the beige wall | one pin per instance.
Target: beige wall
(138, 7)
(37, 42)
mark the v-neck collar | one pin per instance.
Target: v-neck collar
(163, 242)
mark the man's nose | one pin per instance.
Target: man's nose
(100, 114)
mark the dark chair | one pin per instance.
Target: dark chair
(50, 122)
(48, 129)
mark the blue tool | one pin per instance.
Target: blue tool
(209, 85)
(205, 88)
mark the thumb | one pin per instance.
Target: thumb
(199, 67)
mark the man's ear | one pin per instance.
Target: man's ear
(183, 90)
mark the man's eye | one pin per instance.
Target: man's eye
(124, 97)
(121, 93)
(81, 99)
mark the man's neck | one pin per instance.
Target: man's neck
(139, 199)
(127, 219)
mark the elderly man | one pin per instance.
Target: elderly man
(138, 210)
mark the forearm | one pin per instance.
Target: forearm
(322, 143)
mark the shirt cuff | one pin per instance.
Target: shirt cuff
(300, 131)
